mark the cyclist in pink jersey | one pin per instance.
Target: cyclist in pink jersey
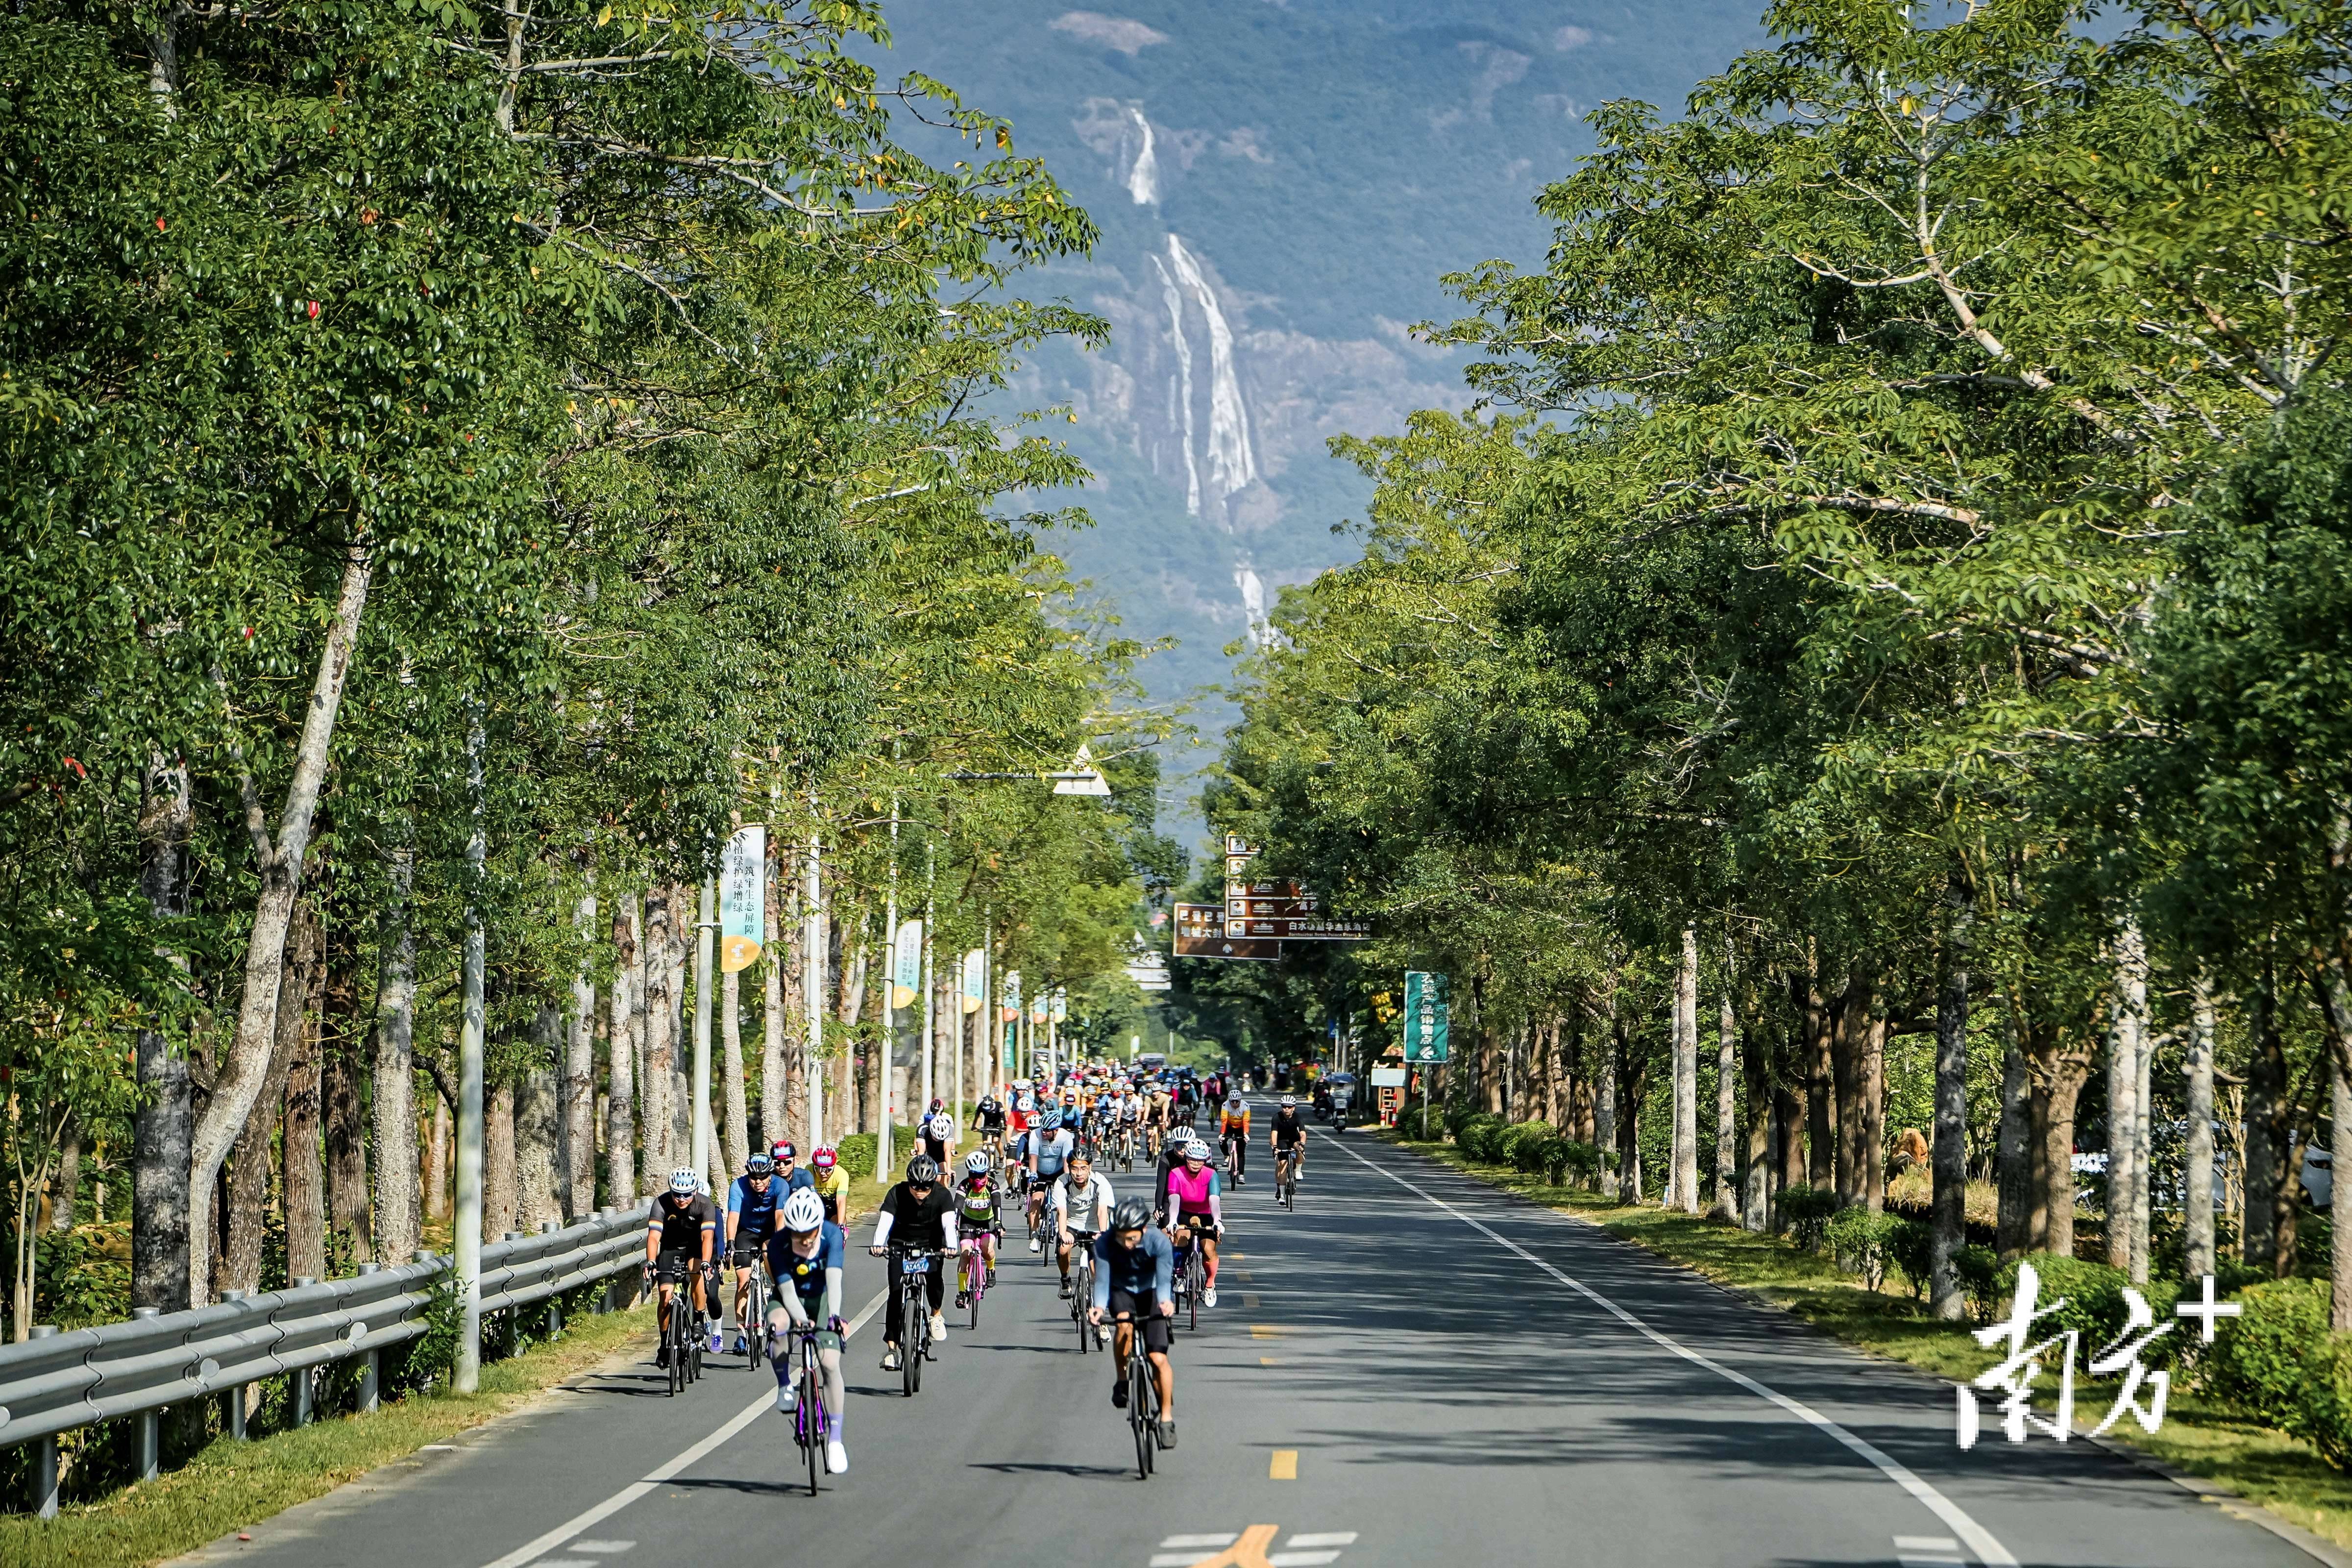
(1195, 1210)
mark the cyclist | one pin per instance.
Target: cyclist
(1233, 1133)
(805, 1254)
(1290, 1139)
(1134, 1284)
(1155, 1119)
(1082, 1204)
(831, 1185)
(923, 1217)
(976, 1215)
(939, 1136)
(1050, 1147)
(1196, 1211)
(680, 1232)
(1130, 1116)
(988, 1121)
(752, 1200)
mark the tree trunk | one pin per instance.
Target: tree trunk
(2268, 1109)
(738, 1123)
(436, 1160)
(1821, 1086)
(1947, 1293)
(1632, 1082)
(1604, 1081)
(1845, 1016)
(1791, 1113)
(783, 1113)
(248, 1184)
(1685, 1194)
(2339, 1148)
(1873, 1112)
(2198, 1201)
(398, 1223)
(241, 1079)
(1726, 1111)
(1756, 1068)
(539, 1106)
(2058, 1154)
(2128, 1028)
(65, 1189)
(304, 1186)
(576, 1142)
(341, 1072)
(2013, 1150)
(498, 1163)
(661, 1052)
(622, 1175)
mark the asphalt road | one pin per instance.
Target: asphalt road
(1409, 1369)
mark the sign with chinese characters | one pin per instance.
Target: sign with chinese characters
(907, 965)
(1270, 909)
(1200, 933)
(2015, 1375)
(1425, 1016)
(742, 900)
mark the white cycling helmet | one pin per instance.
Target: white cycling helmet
(1289, 1101)
(976, 1163)
(685, 1181)
(1196, 1150)
(803, 1210)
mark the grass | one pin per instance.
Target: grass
(2199, 1436)
(229, 1485)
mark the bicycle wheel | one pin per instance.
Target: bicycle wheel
(1138, 1382)
(813, 1419)
(910, 1349)
(1195, 1277)
(755, 1334)
(673, 1354)
(922, 1337)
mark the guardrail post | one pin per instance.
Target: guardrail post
(233, 1401)
(151, 1422)
(45, 1457)
(369, 1365)
(302, 1383)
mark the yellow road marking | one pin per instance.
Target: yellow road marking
(1249, 1552)
(1284, 1467)
(1248, 1300)
(1267, 1361)
(1264, 1331)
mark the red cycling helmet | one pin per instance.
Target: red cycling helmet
(781, 1150)
(823, 1160)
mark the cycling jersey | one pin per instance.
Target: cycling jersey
(1147, 1269)
(1052, 1152)
(1193, 1194)
(1287, 1130)
(1085, 1208)
(682, 1222)
(925, 1222)
(806, 1276)
(976, 1203)
(991, 1119)
(834, 1188)
(1235, 1126)
(754, 1211)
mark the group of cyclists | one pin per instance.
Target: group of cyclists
(1047, 1144)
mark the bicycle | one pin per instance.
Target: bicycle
(755, 1340)
(1082, 1283)
(1237, 1157)
(1286, 1180)
(910, 1267)
(679, 1340)
(811, 1422)
(1191, 1279)
(976, 1275)
(1142, 1403)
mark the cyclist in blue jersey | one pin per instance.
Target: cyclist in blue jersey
(805, 1255)
(1049, 1148)
(752, 1200)
(1135, 1271)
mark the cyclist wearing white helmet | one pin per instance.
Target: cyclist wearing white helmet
(806, 1254)
(1082, 1204)
(976, 1218)
(1047, 1149)
(1289, 1136)
(922, 1216)
(681, 1232)
(1196, 1211)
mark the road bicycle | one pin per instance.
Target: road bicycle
(910, 1269)
(1125, 1149)
(681, 1338)
(811, 1422)
(1286, 1180)
(1082, 1285)
(755, 1343)
(1191, 1280)
(1142, 1404)
(974, 1274)
(1237, 1157)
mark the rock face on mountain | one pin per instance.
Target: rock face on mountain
(1280, 186)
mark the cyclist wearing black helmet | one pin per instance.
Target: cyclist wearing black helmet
(919, 1214)
(1135, 1271)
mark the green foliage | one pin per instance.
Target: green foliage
(81, 1279)
(1805, 1213)
(2280, 1360)
(1480, 1136)
(1864, 1242)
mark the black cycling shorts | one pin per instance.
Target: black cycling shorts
(676, 1262)
(1159, 1332)
(741, 1252)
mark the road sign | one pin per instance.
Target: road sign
(743, 900)
(1200, 933)
(1424, 1016)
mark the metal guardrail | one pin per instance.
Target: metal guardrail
(55, 1382)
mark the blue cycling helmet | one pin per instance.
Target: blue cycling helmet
(1052, 1122)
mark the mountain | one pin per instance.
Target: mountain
(1279, 186)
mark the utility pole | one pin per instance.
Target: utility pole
(931, 978)
(812, 975)
(706, 938)
(883, 1158)
(467, 1376)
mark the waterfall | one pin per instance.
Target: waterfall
(1252, 603)
(1143, 179)
(1232, 466)
(1183, 382)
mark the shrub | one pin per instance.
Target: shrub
(1806, 1211)
(857, 1152)
(1477, 1135)
(2095, 1305)
(1584, 1161)
(1910, 1247)
(1527, 1146)
(1980, 1269)
(1863, 1242)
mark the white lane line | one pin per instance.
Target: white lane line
(1926, 1543)
(1981, 1540)
(1227, 1539)
(604, 1548)
(1324, 1538)
(1300, 1559)
(532, 1550)
(1908, 1561)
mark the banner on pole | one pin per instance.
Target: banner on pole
(1424, 1016)
(975, 980)
(743, 900)
(1061, 1006)
(907, 965)
(1008, 999)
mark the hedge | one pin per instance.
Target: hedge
(1864, 1241)
(2279, 1362)
(1806, 1212)
(857, 1152)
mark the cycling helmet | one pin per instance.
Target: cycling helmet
(822, 1159)
(1289, 1101)
(1196, 1150)
(684, 1181)
(1232, 1102)
(923, 1171)
(938, 1105)
(1051, 1122)
(1132, 1214)
(782, 1152)
(976, 1163)
(759, 1165)
(803, 1210)
(988, 1102)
